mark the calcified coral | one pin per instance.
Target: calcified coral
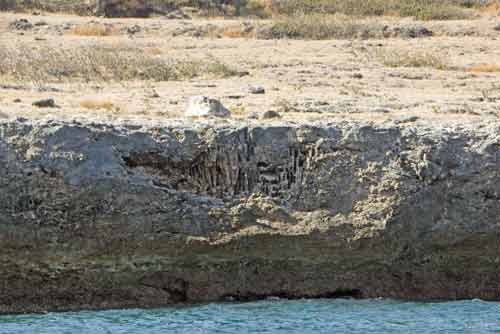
(101, 215)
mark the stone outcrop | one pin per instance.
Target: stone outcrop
(102, 215)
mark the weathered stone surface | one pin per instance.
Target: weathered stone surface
(45, 103)
(101, 215)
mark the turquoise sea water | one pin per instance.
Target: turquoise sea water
(272, 316)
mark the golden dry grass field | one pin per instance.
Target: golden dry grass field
(312, 66)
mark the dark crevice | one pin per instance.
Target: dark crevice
(336, 294)
(221, 170)
(175, 288)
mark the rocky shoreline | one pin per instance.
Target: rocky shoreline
(113, 215)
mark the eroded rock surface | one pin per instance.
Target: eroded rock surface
(102, 215)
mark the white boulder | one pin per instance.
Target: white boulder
(204, 106)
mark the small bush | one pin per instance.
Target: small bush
(405, 58)
(320, 26)
(434, 11)
(93, 29)
(97, 104)
(488, 68)
(259, 8)
(492, 7)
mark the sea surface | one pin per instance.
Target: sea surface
(272, 316)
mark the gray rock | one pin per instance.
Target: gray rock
(20, 24)
(45, 103)
(256, 89)
(497, 27)
(133, 29)
(271, 114)
(380, 110)
(204, 106)
(407, 119)
(408, 31)
(176, 14)
(253, 115)
(67, 26)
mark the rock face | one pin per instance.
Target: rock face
(101, 215)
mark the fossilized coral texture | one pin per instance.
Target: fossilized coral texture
(101, 215)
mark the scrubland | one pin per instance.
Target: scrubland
(374, 59)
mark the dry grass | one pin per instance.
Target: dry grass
(61, 6)
(259, 8)
(233, 32)
(420, 9)
(93, 29)
(94, 104)
(97, 62)
(488, 68)
(320, 26)
(492, 8)
(414, 58)
(155, 51)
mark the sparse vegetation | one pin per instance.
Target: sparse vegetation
(492, 7)
(67, 6)
(320, 26)
(100, 63)
(284, 106)
(234, 32)
(238, 110)
(96, 104)
(414, 58)
(93, 29)
(420, 9)
(488, 68)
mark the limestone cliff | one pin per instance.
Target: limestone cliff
(102, 215)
